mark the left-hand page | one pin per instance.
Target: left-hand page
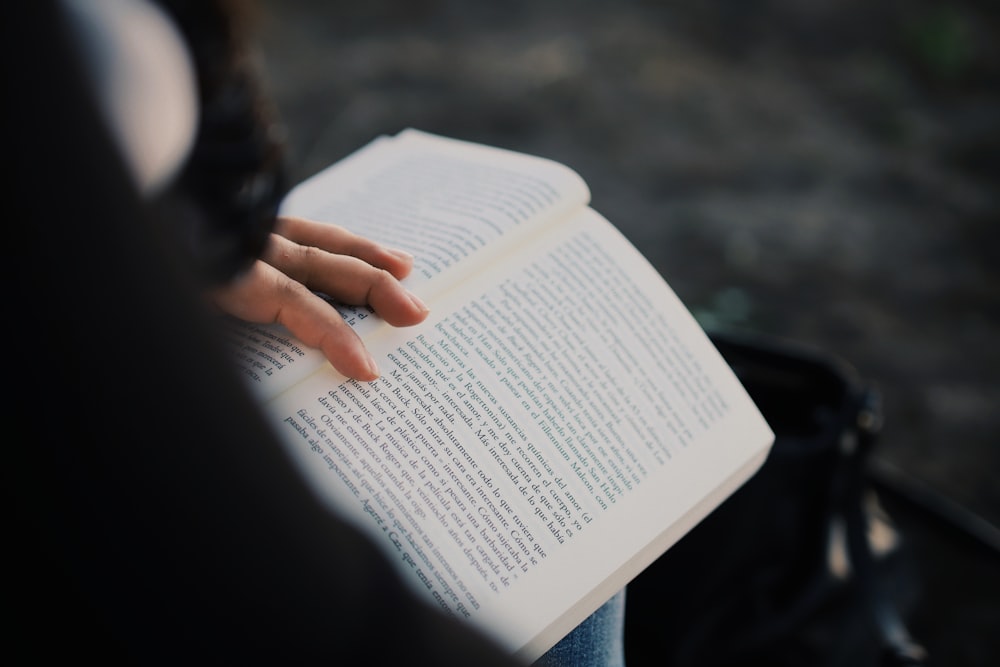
(449, 203)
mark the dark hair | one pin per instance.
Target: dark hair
(227, 195)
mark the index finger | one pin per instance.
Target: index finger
(338, 240)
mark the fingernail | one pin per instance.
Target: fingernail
(401, 254)
(372, 366)
(418, 303)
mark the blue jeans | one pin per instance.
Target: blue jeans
(599, 641)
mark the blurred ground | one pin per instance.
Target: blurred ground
(824, 172)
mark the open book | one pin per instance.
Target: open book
(557, 422)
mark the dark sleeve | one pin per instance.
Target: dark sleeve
(155, 519)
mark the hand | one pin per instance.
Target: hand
(302, 256)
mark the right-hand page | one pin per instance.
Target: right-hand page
(552, 428)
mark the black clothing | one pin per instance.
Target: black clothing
(156, 519)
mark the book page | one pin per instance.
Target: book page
(553, 428)
(268, 357)
(447, 202)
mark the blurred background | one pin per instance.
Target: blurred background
(825, 172)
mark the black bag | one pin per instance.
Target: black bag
(757, 581)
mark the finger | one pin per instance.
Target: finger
(265, 296)
(347, 279)
(338, 240)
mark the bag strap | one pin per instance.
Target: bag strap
(899, 647)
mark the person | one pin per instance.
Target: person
(184, 106)
(150, 525)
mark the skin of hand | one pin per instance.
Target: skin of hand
(302, 256)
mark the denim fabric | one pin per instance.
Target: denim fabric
(599, 641)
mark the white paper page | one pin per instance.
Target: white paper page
(268, 357)
(559, 424)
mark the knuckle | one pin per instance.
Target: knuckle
(309, 257)
(288, 289)
(382, 280)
